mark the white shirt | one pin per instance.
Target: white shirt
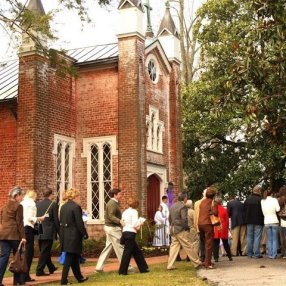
(165, 212)
(159, 218)
(130, 218)
(269, 208)
(29, 212)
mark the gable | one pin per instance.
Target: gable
(157, 48)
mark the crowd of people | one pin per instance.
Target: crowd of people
(251, 228)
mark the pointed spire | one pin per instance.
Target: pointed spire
(167, 24)
(36, 5)
(130, 3)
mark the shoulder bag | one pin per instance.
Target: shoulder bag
(38, 227)
(19, 263)
(215, 220)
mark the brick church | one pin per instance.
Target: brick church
(117, 123)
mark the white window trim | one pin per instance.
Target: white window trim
(99, 141)
(161, 172)
(64, 140)
(157, 123)
(149, 58)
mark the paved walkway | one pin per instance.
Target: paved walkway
(242, 271)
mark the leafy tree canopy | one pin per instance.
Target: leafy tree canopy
(234, 116)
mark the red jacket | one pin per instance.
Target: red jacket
(222, 230)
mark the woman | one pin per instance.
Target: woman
(221, 232)
(29, 214)
(11, 231)
(270, 207)
(207, 207)
(282, 203)
(161, 236)
(132, 225)
(72, 231)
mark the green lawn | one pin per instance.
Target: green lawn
(158, 276)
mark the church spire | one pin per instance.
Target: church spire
(30, 41)
(36, 6)
(149, 31)
(167, 25)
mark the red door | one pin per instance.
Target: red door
(153, 196)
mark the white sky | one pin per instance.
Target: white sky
(72, 33)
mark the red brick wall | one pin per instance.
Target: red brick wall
(45, 107)
(131, 118)
(96, 116)
(7, 149)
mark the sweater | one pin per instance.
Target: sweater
(112, 213)
(270, 207)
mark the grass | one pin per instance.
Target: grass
(158, 276)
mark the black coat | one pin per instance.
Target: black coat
(51, 223)
(72, 229)
(253, 211)
(235, 210)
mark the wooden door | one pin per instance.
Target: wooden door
(153, 196)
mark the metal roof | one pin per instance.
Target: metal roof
(91, 54)
(9, 71)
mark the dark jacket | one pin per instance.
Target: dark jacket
(253, 211)
(178, 218)
(11, 221)
(72, 229)
(112, 213)
(235, 210)
(51, 223)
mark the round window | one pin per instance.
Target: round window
(152, 71)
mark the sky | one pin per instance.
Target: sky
(72, 33)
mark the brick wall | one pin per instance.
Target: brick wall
(131, 118)
(7, 149)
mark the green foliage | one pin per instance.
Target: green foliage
(234, 116)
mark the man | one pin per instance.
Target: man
(179, 231)
(235, 210)
(48, 208)
(165, 207)
(254, 222)
(112, 228)
(196, 218)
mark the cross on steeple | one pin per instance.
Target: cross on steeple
(149, 31)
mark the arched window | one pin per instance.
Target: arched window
(94, 181)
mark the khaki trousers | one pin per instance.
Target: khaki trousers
(113, 235)
(238, 234)
(182, 239)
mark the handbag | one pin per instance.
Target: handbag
(215, 220)
(38, 228)
(282, 213)
(62, 258)
(19, 263)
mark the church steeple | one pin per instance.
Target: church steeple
(169, 37)
(29, 43)
(167, 25)
(36, 6)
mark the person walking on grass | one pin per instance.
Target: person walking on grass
(112, 228)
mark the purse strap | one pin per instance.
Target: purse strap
(48, 208)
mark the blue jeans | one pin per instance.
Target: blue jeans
(5, 249)
(253, 238)
(272, 239)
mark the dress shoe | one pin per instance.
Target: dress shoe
(145, 271)
(216, 260)
(82, 279)
(42, 274)
(55, 269)
(230, 258)
(66, 283)
(30, 279)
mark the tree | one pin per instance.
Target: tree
(16, 20)
(235, 114)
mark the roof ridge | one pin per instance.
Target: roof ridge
(92, 46)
